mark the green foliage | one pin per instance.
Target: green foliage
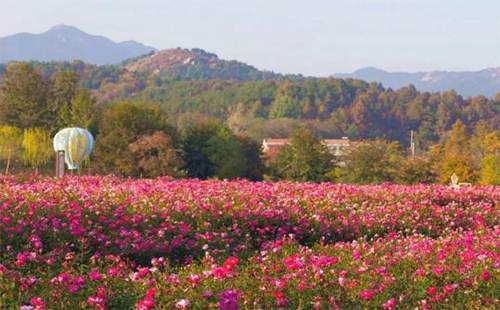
(490, 171)
(306, 158)
(195, 144)
(37, 145)
(224, 151)
(64, 88)
(416, 170)
(254, 164)
(82, 112)
(120, 125)
(23, 98)
(372, 162)
(10, 144)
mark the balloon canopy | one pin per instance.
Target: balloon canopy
(77, 144)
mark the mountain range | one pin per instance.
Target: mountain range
(67, 43)
(484, 82)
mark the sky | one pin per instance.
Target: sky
(314, 38)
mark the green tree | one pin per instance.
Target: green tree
(195, 144)
(82, 110)
(63, 91)
(37, 145)
(254, 164)
(226, 154)
(416, 170)
(10, 144)
(121, 124)
(306, 158)
(23, 98)
(372, 162)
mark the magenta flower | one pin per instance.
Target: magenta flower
(229, 300)
(365, 295)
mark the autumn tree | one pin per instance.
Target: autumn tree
(121, 124)
(156, 155)
(456, 157)
(490, 164)
(10, 144)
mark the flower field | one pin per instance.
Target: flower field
(112, 243)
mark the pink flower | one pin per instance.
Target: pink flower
(432, 290)
(94, 275)
(390, 303)
(146, 303)
(219, 273)
(365, 295)
(36, 301)
(485, 275)
(194, 279)
(114, 271)
(151, 293)
(183, 304)
(438, 270)
(449, 288)
(230, 263)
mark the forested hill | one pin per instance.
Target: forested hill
(190, 85)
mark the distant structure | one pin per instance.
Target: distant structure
(271, 147)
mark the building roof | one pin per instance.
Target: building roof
(271, 141)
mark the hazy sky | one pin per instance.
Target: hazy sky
(288, 36)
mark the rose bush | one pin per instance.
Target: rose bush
(109, 243)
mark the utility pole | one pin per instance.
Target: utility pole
(412, 145)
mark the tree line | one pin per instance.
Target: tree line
(206, 129)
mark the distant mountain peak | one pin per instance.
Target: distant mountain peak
(62, 28)
(468, 83)
(370, 70)
(67, 43)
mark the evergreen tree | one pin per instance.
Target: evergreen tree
(224, 151)
(23, 98)
(306, 158)
(63, 91)
(195, 144)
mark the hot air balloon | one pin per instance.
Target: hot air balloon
(77, 144)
